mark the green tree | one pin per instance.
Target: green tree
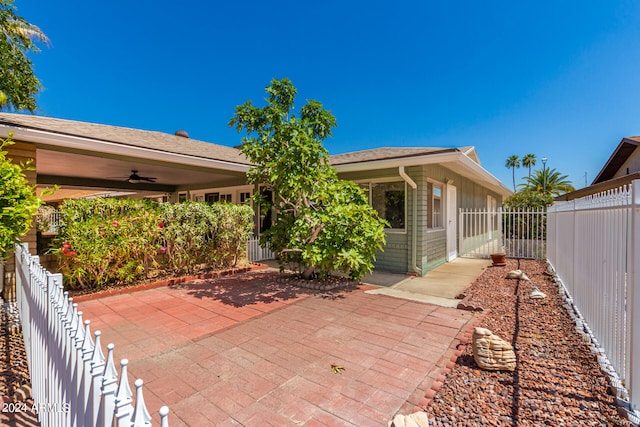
(512, 163)
(527, 199)
(528, 161)
(323, 222)
(18, 83)
(18, 201)
(549, 181)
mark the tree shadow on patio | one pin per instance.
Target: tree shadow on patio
(256, 287)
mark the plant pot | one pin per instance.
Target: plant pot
(499, 260)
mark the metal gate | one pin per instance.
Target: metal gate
(518, 233)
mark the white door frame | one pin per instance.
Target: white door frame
(452, 223)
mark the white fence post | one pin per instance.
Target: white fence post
(633, 298)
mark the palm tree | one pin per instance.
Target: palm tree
(513, 162)
(529, 160)
(18, 83)
(550, 180)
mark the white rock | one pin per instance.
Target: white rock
(537, 294)
(417, 419)
(517, 274)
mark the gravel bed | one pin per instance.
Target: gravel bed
(557, 381)
(14, 371)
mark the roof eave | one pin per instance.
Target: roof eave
(52, 139)
(466, 167)
(606, 173)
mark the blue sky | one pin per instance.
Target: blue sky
(557, 79)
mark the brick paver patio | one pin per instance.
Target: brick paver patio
(250, 350)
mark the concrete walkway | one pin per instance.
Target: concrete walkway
(439, 286)
(252, 350)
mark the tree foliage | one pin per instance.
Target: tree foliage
(513, 162)
(18, 201)
(528, 161)
(18, 83)
(526, 199)
(548, 181)
(323, 222)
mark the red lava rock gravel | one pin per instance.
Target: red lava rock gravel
(557, 381)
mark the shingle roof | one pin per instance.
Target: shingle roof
(386, 153)
(133, 137)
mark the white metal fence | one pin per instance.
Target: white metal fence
(518, 233)
(594, 247)
(256, 253)
(73, 384)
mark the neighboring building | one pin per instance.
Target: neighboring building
(622, 167)
(418, 190)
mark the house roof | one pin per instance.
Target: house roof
(70, 150)
(385, 153)
(126, 136)
(464, 161)
(620, 155)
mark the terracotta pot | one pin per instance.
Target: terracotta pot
(499, 260)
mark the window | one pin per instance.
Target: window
(434, 205)
(182, 197)
(217, 197)
(388, 198)
(245, 197)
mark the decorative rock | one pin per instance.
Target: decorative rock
(492, 352)
(517, 274)
(417, 419)
(537, 294)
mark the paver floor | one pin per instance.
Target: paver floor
(252, 350)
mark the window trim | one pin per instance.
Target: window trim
(369, 183)
(430, 203)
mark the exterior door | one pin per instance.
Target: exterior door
(452, 207)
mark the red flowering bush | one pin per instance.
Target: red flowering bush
(105, 241)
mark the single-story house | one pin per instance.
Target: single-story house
(418, 190)
(622, 167)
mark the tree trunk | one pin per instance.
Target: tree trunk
(307, 273)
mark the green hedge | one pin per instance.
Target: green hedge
(111, 241)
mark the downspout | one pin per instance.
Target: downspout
(414, 228)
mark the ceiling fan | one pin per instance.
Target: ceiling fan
(134, 178)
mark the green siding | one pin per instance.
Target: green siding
(431, 245)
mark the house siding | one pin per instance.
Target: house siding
(395, 256)
(469, 195)
(431, 245)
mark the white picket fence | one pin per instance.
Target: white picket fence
(594, 248)
(256, 253)
(518, 233)
(73, 384)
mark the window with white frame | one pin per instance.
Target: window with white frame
(245, 197)
(389, 200)
(434, 205)
(217, 197)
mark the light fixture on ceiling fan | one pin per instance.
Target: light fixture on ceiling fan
(134, 178)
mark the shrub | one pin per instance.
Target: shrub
(102, 241)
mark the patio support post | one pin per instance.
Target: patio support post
(414, 227)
